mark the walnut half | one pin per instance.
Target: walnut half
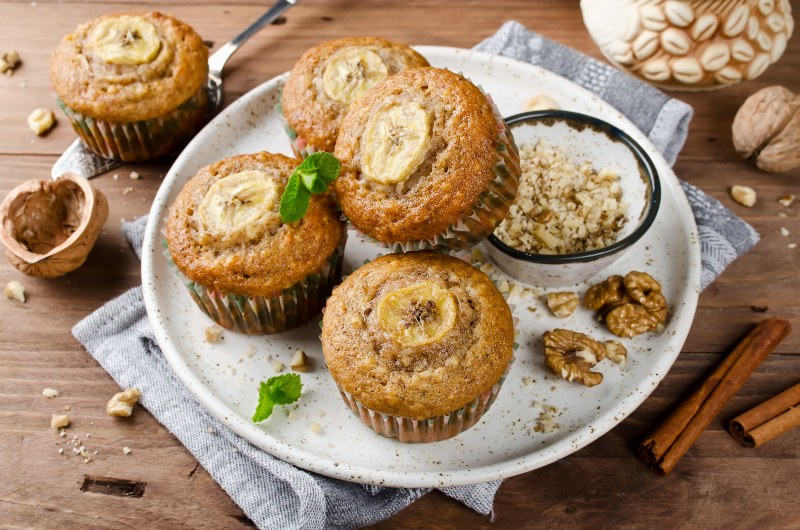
(631, 305)
(571, 355)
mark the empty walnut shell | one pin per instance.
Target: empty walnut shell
(49, 227)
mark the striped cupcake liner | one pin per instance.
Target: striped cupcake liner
(300, 146)
(435, 429)
(272, 313)
(489, 209)
(141, 140)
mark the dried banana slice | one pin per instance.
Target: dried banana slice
(351, 72)
(418, 314)
(126, 39)
(395, 142)
(237, 202)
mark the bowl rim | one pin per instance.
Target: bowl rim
(645, 163)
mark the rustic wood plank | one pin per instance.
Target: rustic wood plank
(718, 484)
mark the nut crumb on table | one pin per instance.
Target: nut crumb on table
(50, 393)
(14, 291)
(41, 120)
(126, 450)
(744, 195)
(122, 403)
(58, 421)
(786, 200)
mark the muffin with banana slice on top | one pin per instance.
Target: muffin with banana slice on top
(243, 262)
(329, 77)
(132, 84)
(427, 162)
(418, 344)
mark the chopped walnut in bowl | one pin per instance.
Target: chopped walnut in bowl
(587, 193)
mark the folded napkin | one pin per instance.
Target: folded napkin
(275, 494)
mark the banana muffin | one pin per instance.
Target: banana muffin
(418, 344)
(427, 162)
(132, 84)
(243, 266)
(329, 77)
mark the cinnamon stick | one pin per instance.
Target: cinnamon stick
(768, 420)
(662, 450)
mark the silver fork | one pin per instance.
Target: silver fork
(80, 160)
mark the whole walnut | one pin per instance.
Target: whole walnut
(766, 129)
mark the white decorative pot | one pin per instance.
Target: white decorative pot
(690, 44)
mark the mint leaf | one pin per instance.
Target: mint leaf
(294, 201)
(327, 166)
(313, 183)
(278, 390)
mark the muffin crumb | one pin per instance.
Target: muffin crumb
(316, 427)
(213, 334)
(50, 393)
(58, 421)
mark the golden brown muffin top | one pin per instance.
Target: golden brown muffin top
(129, 66)
(454, 165)
(417, 335)
(321, 84)
(224, 230)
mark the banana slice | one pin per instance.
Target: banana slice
(351, 72)
(418, 314)
(237, 203)
(395, 142)
(128, 40)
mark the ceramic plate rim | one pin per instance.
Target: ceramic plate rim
(328, 467)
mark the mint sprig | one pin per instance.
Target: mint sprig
(312, 176)
(278, 390)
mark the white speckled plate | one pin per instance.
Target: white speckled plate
(224, 378)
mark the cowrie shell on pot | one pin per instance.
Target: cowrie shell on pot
(715, 57)
(729, 74)
(742, 51)
(645, 45)
(656, 70)
(764, 41)
(630, 25)
(704, 27)
(778, 47)
(653, 18)
(679, 14)
(675, 41)
(758, 65)
(776, 22)
(687, 70)
(736, 21)
(621, 52)
(765, 7)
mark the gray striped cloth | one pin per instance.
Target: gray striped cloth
(275, 494)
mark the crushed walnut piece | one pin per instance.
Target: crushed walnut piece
(571, 355)
(300, 362)
(9, 61)
(562, 304)
(616, 351)
(14, 291)
(50, 393)
(121, 405)
(629, 306)
(213, 334)
(58, 421)
(41, 120)
(786, 200)
(546, 421)
(744, 195)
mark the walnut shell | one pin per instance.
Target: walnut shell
(49, 227)
(766, 129)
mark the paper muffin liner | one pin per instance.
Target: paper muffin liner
(436, 428)
(300, 146)
(272, 313)
(489, 209)
(141, 140)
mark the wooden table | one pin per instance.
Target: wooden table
(718, 484)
